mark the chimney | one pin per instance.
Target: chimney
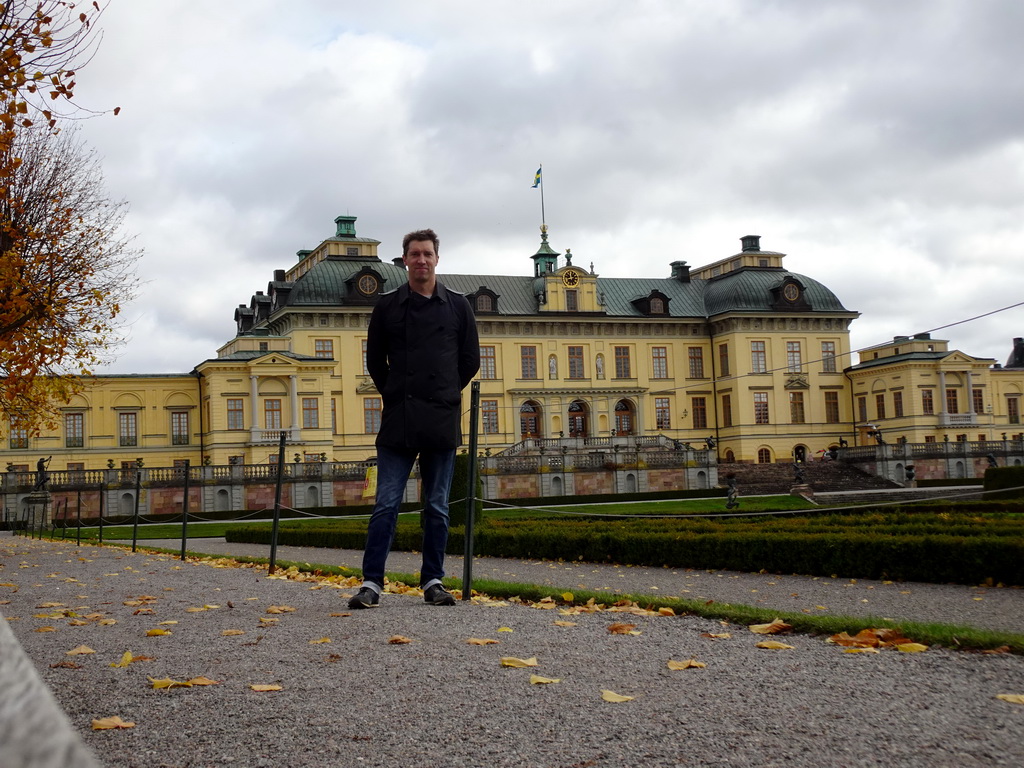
(680, 271)
(278, 275)
(399, 262)
(751, 242)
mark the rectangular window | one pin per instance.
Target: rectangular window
(236, 413)
(1013, 410)
(19, 436)
(897, 404)
(623, 370)
(758, 357)
(929, 438)
(662, 413)
(128, 428)
(489, 416)
(488, 366)
(723, 359)
(310, 413)
(927, 402)
(794, 360)
(659, 362)
(571, 301)
(978, 400)
(828, 356)
(700, 412)
(575, 362)
(696, 355)
(726, 410)
(761, 408)
(880, 405)
(74, 430)
(952, 402)
(528, 362)
(371, 415)
(831, 407)
(179, 428)
(366, 371)
(862, 409)
(796, 408)
(272, 414)
(323, 348)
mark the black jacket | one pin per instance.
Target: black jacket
(421, 353)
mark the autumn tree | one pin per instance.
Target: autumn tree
(66, 270)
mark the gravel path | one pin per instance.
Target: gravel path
(360, 700)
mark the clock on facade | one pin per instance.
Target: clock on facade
(570, 278)
(367, 285)
(791, 291)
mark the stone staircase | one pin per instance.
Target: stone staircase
(821, 476)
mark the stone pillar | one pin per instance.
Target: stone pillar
(39, 512)
(942, 397)
(293, 395)
(970, 392)
(254, 398)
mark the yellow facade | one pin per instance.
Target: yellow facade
(739, 350)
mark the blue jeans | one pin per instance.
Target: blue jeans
(393, 468)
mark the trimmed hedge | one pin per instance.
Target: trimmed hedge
(997, 478)
(928, 547)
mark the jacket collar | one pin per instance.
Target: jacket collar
(440, 292)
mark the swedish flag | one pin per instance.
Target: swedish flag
(536, 179)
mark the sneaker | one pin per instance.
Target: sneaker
(365, 598)
(436, 594)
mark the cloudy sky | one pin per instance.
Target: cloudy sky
(879, 144)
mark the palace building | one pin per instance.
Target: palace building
(740, 350)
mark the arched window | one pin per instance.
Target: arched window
(730, 457)
(764, 456)
(529, 420)
(624, 418)
(578, 426)
(657, 306)
(484, 303)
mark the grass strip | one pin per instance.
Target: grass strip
(952, 636)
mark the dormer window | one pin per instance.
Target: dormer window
(484, 301)
(654, 304)
(363, 287)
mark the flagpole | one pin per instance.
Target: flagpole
(543, 219)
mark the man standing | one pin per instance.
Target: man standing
(422, 349)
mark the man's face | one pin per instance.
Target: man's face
(421, 260)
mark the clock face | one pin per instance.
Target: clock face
(571, 278)
(791, 292)
(367, 284)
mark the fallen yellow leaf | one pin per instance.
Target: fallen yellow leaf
(481, 641)
(1013, 698)
(126, 659)
(266, 688)
(166, 682)
(339, 615)
(774, 645)
(106, 723)
(560, 623)
(568, 596)
(280, 609)
(666, 611)
(773, 628)
(231, 632)
(166, 623)
(688, 664)
(320, 641)
(80, 650)
(158, 632)
(201, 680)
(399, 640)
(861, 650)
(614, 697)
(538, 680)
(512, 661)
(911, 647)
(621, 628)
(45, 629)
(505, 629)
(717, 635)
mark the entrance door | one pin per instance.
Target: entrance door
(529, 420)
(578, 426)
(624, 418)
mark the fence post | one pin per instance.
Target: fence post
(467, 555)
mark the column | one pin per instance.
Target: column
(970, 393)
(293, 392)
(943, 416)
(254, 399)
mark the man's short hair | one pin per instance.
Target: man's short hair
(418, 236)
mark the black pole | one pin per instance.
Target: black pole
(135, 523)
(277, 503)
(78, 511)
(184, 512)
(467, 555)
(103, 492)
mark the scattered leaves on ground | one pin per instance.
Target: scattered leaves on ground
(158, 632)
(772, 628)
(108, 723)
(538, 680)
(481, 641)
(688, 664)
(512, 661)
(259, 688)
(399, 640)
(615, 698)
(775, 645)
